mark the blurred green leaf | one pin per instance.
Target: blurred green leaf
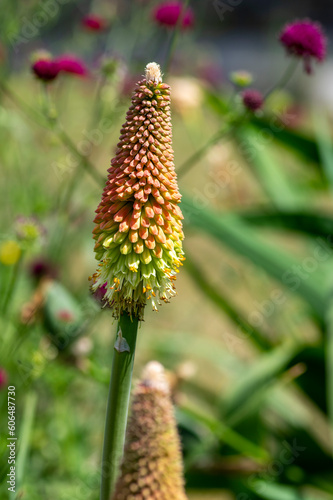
(223, 302)
(309, 223)
(256, 377)
(268, 170)
(216, 102)
(325, 146)
(227, 435)
(329, 365)
(274, 491)
(237, 235)
(301, 144)
(62, 314)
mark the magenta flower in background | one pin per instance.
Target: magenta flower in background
(45, 69)
(167, 14)
(3, 378)
(41, 268)
(92, 22)
(71, 64)
(304, 39)
(252, 99)
(100, 294)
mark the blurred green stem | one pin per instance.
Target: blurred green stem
(12, 284)
(25, 434)
(227, 435)
(231, 126)
(52, 117)
(285, 77)
(220, 134)
(118, 400)
(174, 38)
(49, 120)
(329, 365)
(245, 329)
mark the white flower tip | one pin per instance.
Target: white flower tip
(153, 73)
(153, 376)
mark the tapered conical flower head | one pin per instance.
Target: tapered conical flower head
(138, 228)
(152, 466)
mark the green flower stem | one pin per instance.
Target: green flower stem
(231, 127)
(118, 400)
(87, 165)
(286, 75)
(193, 159)
(25, 434)
(174, 39)
(51, 122)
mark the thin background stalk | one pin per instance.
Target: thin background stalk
(174, 38)
(12, 284)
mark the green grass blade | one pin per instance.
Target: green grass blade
(223, 303)
(274, 491)
(267, 169)
(325, 145)
(258, 376)
(301, 144)
(234, 233)
(313, 224)
(227, 435)
(329, 364)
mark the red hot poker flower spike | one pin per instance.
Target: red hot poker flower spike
(138, 228)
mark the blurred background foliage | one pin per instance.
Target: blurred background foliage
(248, 341)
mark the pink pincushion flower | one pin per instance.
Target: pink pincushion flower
(92, 22)
(72, 64)
(252, 99)
(45, 69)
(167, 14)
(304, 39)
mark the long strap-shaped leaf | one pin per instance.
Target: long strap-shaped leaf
(237, 235)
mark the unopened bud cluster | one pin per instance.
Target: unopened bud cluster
(138, 228)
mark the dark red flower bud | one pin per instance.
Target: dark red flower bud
(46, 69)
(252, 99)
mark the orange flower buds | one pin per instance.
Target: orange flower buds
(138, 228)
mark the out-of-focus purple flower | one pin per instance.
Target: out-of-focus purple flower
(71, 64)
(41, 268)
(45, 69)
(3, 378)
(167, 14)
(304, 39)
(92, 22)
(252, 99)
(100, 293)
